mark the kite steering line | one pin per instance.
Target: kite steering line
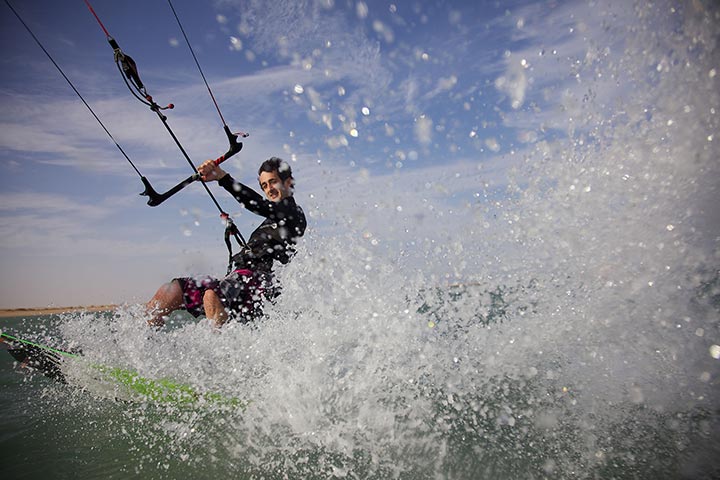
(129, 72)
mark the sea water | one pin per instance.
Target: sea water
(564, 327)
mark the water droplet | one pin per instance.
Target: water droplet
(715, 352)
(235, 44)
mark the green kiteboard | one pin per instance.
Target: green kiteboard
(48, 361)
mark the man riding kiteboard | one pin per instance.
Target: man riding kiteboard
(241, 292)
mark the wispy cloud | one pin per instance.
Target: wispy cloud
(52, 204)
(562, 57)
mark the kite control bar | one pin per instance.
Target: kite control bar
(155, 198)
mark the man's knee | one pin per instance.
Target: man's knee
(213, 304)
(173, 287)
(168, 298)
(214, 308)
(210, 297)
(169, 294)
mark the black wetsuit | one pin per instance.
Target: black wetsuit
(275, 238)
(250, 278)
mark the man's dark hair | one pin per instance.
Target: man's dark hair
(275, 164)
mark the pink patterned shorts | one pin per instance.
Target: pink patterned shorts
(241, 292)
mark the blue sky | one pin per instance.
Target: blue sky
(369, 101)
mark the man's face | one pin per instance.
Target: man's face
(274, 188)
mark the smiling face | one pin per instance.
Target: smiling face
(274, 188)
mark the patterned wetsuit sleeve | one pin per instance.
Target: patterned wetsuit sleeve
(248, 197)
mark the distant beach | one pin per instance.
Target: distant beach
(33, 312)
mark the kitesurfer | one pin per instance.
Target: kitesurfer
(240, 294)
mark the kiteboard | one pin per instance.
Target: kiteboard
(128, 383)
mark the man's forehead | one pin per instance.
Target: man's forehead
(269, 175)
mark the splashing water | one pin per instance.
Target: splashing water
(578, 343)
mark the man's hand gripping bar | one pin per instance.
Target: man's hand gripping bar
(155, 198)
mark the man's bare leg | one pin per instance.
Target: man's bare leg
(166, 300)
(214, 309)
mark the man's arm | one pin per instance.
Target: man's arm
(249, 198)
(245, 195)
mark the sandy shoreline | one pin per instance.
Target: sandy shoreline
(34, 312)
